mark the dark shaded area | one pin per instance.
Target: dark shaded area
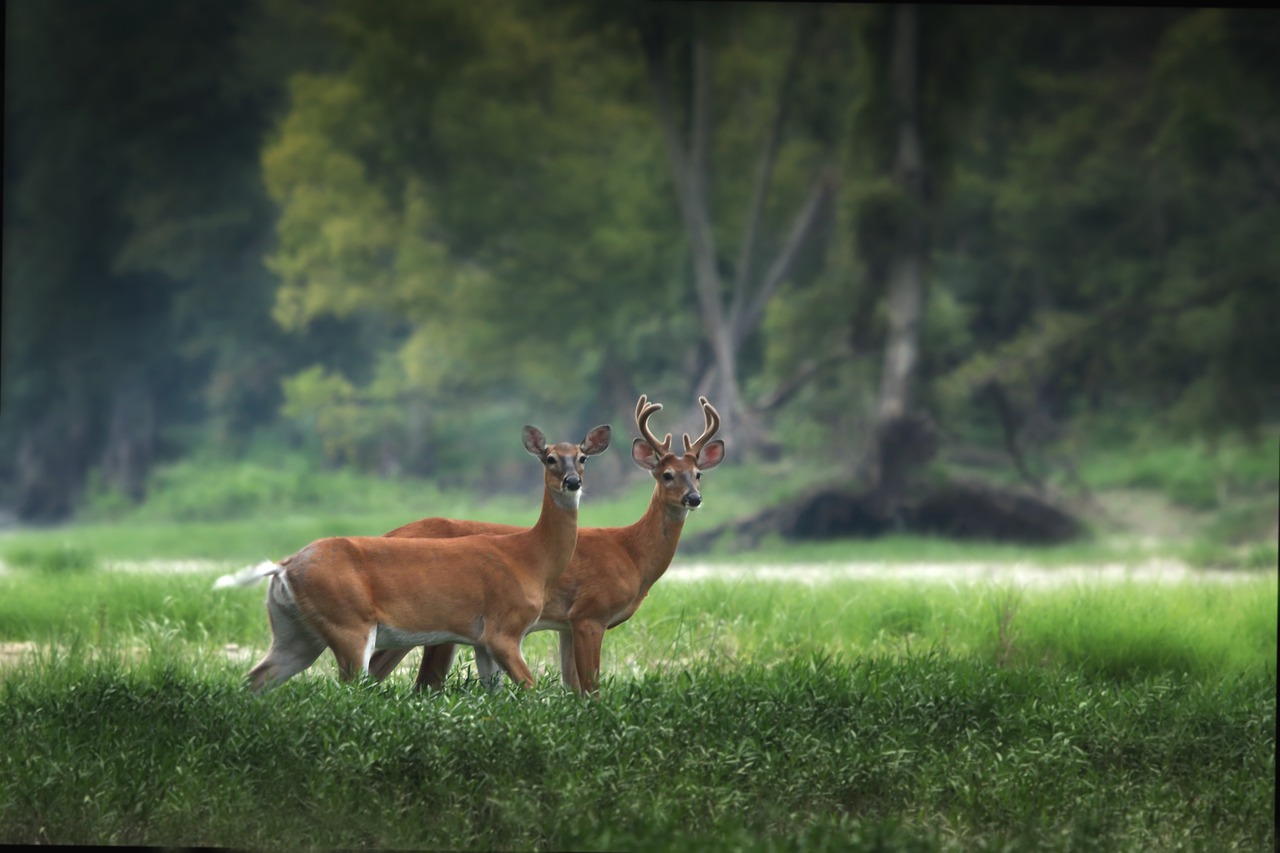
(958, 510)
(901, 503)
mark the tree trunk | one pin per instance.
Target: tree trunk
(126, 459)
(51, 463)
(905, 285)
(728, 326)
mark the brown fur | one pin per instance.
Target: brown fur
(612, 568)
(485, 589)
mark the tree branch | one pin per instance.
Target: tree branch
(789, 387)
(764, 166)
(777, 273)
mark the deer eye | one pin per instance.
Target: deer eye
(698, 475)
(668, 476)
(582, 460)
(550, 460)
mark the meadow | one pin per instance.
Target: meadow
(736, 713)
(739, 711)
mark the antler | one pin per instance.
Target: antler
(712, 418)
(644, 410)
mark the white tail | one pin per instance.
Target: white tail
(358, 594)
(612, 569)
(249, 576)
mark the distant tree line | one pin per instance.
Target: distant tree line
(382, 229)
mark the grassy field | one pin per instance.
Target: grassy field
(738, 714)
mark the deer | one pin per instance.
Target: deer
(613, 568)
(357, 595)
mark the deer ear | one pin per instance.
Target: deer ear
(534, 441)
(644, 455)
(597, 441)
(711, 455)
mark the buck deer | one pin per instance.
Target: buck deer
(358, 594)
(612, 568)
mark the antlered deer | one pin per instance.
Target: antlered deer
(358, 594)
(612, 569)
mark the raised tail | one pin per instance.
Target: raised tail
(248, 576)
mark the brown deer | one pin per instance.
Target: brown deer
(612, 569)
(358, 594)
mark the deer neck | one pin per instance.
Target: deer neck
(657, 536)
(555, 534)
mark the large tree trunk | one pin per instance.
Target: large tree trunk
(130, 445)
(905, 285)
(51, 462)
(728, 324)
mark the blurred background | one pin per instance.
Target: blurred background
(898, 247)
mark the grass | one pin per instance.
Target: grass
(925, 752)
(735, 714)
(743, 714)
(1199, 628)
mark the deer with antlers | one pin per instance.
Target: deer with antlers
(612, 568)
(360, 594)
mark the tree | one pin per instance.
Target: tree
(132, 271)
(732, 297)
(1109, 240)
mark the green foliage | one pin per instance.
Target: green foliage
(383, 226)
(1196, 473)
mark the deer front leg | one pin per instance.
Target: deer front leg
(506, 652)
(436, 661)
(487, 669)
(587, 638)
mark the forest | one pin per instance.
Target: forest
(381, 236)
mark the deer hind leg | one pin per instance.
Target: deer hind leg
(385, 660)
(294, 647)
(568, 662)
(587, 638)
(436, 661)
(352, 647)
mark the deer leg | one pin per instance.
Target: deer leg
(436, 661)
(487, 669)
(352, 647)
(293, 648)
(568, 662)
(587, 638)
(507, 653)
(385, 660)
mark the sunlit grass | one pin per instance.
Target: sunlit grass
(1198, 627)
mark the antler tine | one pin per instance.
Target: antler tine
(712, 426)
(645, 410)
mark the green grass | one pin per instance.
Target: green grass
(1200, 628)
(734, 715)
(924, 752)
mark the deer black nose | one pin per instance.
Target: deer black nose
(693, 500)
(573, 482)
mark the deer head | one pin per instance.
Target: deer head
(563, 463)
(677, 474)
